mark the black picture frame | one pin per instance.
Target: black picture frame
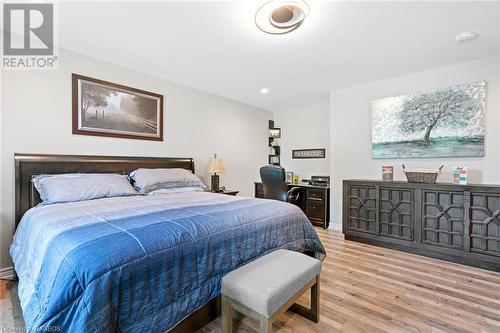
(309, 153)
(275, 132)
(150, 130)
(274, 159)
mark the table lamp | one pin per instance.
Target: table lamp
(215, 166)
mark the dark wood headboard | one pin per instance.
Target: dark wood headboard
(30, 165)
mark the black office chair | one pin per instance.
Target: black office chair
(273, 179)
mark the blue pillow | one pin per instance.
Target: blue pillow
(148, 180)
(81, 186)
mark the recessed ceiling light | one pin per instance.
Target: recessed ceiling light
(466, 36)
(264, 91)
(281, 16)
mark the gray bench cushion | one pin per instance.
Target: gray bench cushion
(267, 283)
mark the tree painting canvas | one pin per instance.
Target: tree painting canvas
(447, 122)
(108, 109)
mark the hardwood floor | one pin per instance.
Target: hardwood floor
(373, 290)
(10, 310)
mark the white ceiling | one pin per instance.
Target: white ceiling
(216, 47)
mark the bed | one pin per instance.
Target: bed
(139, 263)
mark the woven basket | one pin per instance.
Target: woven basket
(421, 176)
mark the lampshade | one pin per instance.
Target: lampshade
(215, 165)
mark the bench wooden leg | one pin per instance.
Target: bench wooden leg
(315, 295)
(312, 313)
(227, 315)
(266, 325)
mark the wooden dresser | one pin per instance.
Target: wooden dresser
(445, 221)
(313, 200)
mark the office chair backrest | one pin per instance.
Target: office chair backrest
(273, 179)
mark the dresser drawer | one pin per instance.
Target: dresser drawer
(316, 193)
(315, 209)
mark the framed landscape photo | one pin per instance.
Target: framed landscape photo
(103, 108)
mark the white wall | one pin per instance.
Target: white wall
(351, 127)
(2, 221)
(37, 119)
(301, 128)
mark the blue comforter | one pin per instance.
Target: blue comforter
(142, 263)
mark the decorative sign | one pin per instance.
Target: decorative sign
(460, 175)
(309, 153)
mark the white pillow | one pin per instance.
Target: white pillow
(147, 180)
(177, 190)
(81, 186)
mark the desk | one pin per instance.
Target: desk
(313, 200)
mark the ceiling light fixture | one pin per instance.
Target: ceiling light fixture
(281, 16)
(466, 36)
(264, 91)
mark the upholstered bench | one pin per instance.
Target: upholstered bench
(265, 288)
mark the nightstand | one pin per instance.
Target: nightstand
(228, 192)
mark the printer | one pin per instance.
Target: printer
(320, 180)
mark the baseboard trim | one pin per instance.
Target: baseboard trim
(335, 226)
(7, 273)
